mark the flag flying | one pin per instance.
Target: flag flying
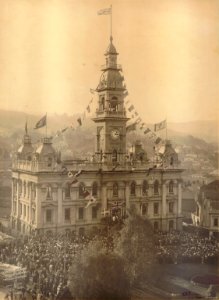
(70, 174)
(91, 201)
(86, 193)
(64, 129)
(147, 131)
(79, 121)
(131, 108)
(78, 173)
(104, 11)
(158, 140)
(152, 136)
(92, 91)
(105, 212)
(41, 122)
(126, 93)
(74, 181)
(131, 127)
(58, 133)
(150, 169)
(138, 120)
(160, 126)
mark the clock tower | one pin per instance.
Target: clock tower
(110, 114)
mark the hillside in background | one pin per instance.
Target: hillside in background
(200, 136)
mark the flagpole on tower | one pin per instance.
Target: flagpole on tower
(46, 125)
(111, 23)
(166, 129)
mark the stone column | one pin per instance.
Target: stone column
(164, 206)
(17, 200)
(30, 203)
(38, 212)
(179, 206)
(164, 200)
(59, 209)
(104, 196)
(127, 194)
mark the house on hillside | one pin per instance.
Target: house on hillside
(207, 208)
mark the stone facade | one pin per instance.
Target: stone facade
(44, 201)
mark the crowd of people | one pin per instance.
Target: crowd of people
(47, 259)
(182, 247)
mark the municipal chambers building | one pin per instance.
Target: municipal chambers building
(44, 201)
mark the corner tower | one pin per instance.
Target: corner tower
(111, 115)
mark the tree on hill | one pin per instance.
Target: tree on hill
(136, 246)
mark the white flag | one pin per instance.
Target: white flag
(104, 11)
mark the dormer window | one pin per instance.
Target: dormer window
(102, 103)
(49, 161)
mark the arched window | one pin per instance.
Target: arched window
(133, 188)
(67, 191)
(114, 104)
(81, 190)
(94, 189)
(145, 187)
(171, 160)
(115, 189)
(144, 209)
(156, 187)
(114, 156)
(171, 187)
(102, 103)
(49, 192)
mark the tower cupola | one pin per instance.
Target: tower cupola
(25, 151)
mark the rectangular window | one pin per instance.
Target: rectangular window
(24, 210)
(48, 215)
(215, 222)
(94, 212)
(156, 208)
(81, 213)
(170, 207)
(67, 214)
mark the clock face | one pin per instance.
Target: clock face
(115, 134)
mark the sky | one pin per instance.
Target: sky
(51, 52)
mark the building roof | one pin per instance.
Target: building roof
(210, 191)
(111, 48)
(46, 147)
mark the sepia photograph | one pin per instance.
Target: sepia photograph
(109, 149)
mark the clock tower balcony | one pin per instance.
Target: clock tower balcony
(110, 113)
(111, 66)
